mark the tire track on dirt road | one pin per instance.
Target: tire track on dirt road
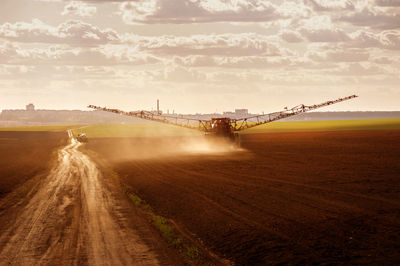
(72, 219)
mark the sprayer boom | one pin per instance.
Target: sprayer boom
(224, 126)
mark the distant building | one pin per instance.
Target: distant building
(241, 112)
(30, 107)
(228, 113)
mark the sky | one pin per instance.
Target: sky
(199, 56)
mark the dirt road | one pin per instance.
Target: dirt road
(71, 218)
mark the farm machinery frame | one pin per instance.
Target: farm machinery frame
(222, 126)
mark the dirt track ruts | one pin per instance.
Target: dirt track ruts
(71, 219)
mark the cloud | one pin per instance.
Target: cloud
(66, 73)
(182, 74)
(294, 10)
(91, 1)
(79, 9)
(373, 18)
(63, 55)
(378, 14)
(325, 35)
(347, 56)
(357, 69)
(126, 55)
(198, 11)
(291, 36)
(80, 34)
(247, 62)
(330, 5)
(387, 3)
(241, 44)
(7, 51)
(318, 29)
(73, 32)
(383, 60)
(338, 55)
(389, 39)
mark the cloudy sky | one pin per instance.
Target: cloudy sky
(199, 55)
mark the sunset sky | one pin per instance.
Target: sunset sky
(199, 55)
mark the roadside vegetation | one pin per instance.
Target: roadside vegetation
(190, 251)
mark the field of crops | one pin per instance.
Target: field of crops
(158, 130)
(52, 128)
(134, 130)
(24, 155)
(328, 125)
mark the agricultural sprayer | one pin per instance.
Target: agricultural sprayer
(221, 126)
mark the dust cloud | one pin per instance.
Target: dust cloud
(147, 148)
(204, 145)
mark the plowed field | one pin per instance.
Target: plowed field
(322, 197)
(24, 155)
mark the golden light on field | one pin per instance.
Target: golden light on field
(199, 132)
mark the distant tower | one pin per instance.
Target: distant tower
(158, 106)
(30, 107)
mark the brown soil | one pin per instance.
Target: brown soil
(325, 197)
(24, 155)
(73, 214)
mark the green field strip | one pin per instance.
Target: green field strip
(52, 128)
(159, 130)
(327, 125)
(135, 130)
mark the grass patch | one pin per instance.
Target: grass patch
(134, 130)
(53, 128)
(135, 199)
(165, 228)
(138, 201)
(328, 125)
(191, 253)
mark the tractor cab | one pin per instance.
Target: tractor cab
(82, 137)
(222, 127)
